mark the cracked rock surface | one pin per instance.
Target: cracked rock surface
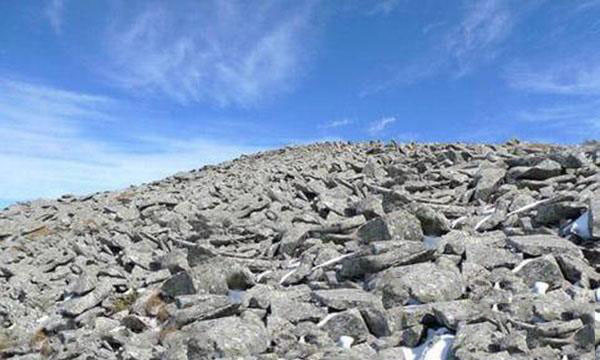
(325, 251)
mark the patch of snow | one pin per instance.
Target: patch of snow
(520, 266)
(346, 341)
(540, 287)
(326, 319)
(437, 346)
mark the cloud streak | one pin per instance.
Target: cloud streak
(484, 26)
(575, 77)
(54, 12)
(580, 119)
(225, 53)
(384, 7)
(52, 148)
(376, 127)
(456, 48)
(337, 123)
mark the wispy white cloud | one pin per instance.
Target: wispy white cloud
(578, 76)
(485, 25)
(384, 7)
(432, 26)
(54, 12)
(578, 118)
(337, 123)
(218, 52)
(456, 48)
(586, 5)
(378, 126)
(406, 75)
(50, 147)
(567, 112)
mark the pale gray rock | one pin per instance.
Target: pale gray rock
(422, 283)
(536, 245)
(204, 307)
(488, 179)
(343, 299)
(179, 284)
(543, 269)
(78, 305)
(346, 323)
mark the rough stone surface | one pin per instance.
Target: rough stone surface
(324, 251)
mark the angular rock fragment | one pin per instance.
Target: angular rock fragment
(491, 257)
(229, 336)
(488, 180)
(345, 323)
(543, 269)
(398, 225)
(536, 245)
(179, 284)
(78, 305)
(343, 299)
(421, 283)
(404, 253)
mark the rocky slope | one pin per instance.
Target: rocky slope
(327, 251)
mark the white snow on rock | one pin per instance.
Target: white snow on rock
(437, 346)
(345, 341)
(326, 319)
(521, 265)
(540, 287)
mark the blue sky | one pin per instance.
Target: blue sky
(100, 95)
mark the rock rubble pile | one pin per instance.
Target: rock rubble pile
(327, 251)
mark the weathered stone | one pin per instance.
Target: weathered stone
(343, 299)
(423, 283)
(536, 245)
(179, 284)
(296, 311)
(491, 257)
(452, 313)
(345, 323)
(292, 238)
(226, 337)
(576, 269)
(405, 253)
(544, 269)
(472, 338)
(544, 170)
(78, 305)
(399, 225)
(433, 223)
(594, 217)
(371, 207)
(488, 180)
(205, 307)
